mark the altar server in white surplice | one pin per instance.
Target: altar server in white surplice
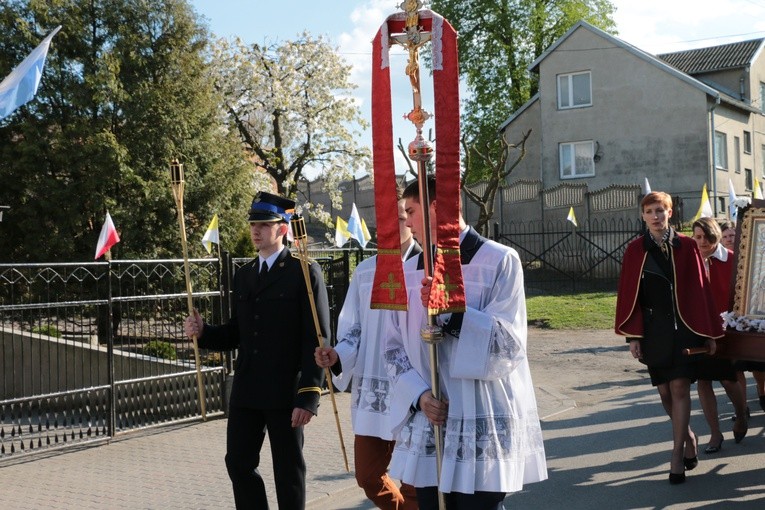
(493, 439)
(358, 359)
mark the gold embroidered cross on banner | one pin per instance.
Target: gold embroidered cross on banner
(391, 285)
(446, 286)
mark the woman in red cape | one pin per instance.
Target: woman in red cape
(664, 305)
(718, 264)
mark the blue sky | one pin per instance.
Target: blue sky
(656, 26)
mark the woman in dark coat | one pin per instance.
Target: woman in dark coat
(664, 305)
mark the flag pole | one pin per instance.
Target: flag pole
(300, 235)
(177, 184)
(421, 151)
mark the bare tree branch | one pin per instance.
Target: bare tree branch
(494, 156)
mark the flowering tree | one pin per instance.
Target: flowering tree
(291, 105)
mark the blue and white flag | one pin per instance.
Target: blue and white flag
(21, 85)
(356, 229)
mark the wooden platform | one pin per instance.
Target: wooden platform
(741, 345)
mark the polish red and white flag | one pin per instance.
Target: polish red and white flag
(108, 237)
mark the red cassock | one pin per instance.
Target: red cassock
(693, 293)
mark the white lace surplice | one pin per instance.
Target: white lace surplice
(493, 439)
(361, 355)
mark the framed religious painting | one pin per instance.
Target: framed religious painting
(745, 321)
(749, 285)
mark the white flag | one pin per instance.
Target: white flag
(646, 187)
(732, 201)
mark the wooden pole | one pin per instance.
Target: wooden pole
(300, 235)
(177, 183)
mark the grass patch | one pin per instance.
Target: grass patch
(592, 310)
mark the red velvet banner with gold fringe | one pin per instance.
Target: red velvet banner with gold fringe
(389, 291)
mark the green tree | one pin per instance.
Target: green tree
(127, 86)
(291, 106)
(499, 39)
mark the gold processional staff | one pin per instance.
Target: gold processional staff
(300, 235)
(421, 151)
(177, 183)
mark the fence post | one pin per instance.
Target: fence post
(496, 231)
(110, 355)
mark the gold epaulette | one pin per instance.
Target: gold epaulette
(310, 389)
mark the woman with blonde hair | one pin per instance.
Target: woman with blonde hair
(664, 305)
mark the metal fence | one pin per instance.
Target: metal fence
(560, 257)
(94, 349)
(91, 350)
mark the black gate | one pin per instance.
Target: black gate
(561, 257)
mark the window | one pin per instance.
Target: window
(721, 202)
(576, 160)
(574, 90)
(762, 97)
(737, 154)
(748, 181)
(747, 142)
(762, 159)
(721, 150)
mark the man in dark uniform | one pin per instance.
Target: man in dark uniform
(276, 382)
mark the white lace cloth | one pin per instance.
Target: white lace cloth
(493, 439)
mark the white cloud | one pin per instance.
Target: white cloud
(661, 26)
(356, 47)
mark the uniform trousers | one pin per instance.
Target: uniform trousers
(244, 438)
(427, 497)
(371, 458)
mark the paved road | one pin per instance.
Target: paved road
(606, 439)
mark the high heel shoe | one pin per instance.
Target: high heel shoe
(748, 412)
(712, 448)
(676, 478)
(692, 462)
(739, 436)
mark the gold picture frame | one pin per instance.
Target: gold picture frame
(749, 287)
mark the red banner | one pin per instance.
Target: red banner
(389, 291)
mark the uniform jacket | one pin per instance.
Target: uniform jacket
(272, 326)
(691, 287)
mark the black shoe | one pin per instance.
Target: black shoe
(676, 478)
(762, 402)
(739, 436)
(748, 412)
(692, 462)
(712, 448)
